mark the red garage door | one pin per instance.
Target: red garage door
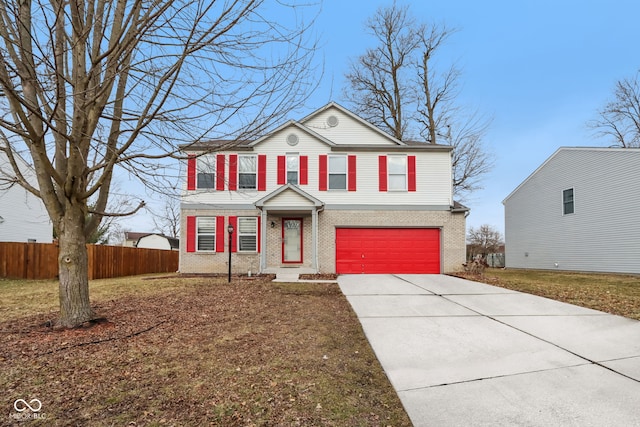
(387, 250)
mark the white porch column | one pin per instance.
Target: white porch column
(314, 238)
(263, 239)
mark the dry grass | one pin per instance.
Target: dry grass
(611, 293)
(192, 352)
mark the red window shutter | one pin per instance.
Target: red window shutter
(304, 168)
(220, 172)
(233, 172)
(262, 172)
(219, 234)
(191, 172)
(322, 185)
(351, 166)
(259, 234)
(282, 170)
(411, 172)
(382, 173)
(191, 234)
(233, 220)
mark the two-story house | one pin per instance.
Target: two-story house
(330, 193)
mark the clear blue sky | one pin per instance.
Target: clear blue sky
(540, 68)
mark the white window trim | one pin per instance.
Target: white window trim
(286, 167)
(406, 173)
(346, 172)
(254, 156)
(208, 163)
(205, 234)
(254, 234)
(573, 201)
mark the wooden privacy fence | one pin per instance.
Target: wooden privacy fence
(40, 261)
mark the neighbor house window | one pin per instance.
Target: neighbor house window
(206, 176)
(247, 234)
(206, 233)
(337, 172)
(247, 172)
(397, 170)
(293, 168)
(567, 201)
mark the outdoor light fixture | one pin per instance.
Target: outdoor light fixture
(230, 230)
(273, 224)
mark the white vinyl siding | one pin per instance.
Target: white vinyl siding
(433, 173)
(23, 217)
(247, 234)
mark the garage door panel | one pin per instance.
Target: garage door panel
(387, 250)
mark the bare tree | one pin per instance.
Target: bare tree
(619, 120)
(437, 93)
(484, 240)
(380, 87)
(93, 88)
(167, 221)
(397, 87)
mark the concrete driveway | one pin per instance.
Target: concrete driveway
(461, 353)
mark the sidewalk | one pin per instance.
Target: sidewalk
(461, 353)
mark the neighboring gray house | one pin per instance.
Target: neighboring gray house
(579, 211)
(329, 193)
(23, 217)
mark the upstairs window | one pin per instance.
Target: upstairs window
(397, 169)
(337, 172)
(247, 172)
(293, 168)
(248, 234)
(206, 172)
(567, 202)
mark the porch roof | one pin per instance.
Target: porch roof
(278, 200)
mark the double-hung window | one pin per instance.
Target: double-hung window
(206, 175)
(293, 168)
(247, 172)
(567, 201)
(247, 234)
(206, 233)
(397, 170)
(337, 172)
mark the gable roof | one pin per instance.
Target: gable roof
(635, 151)
(355, 117)
(297, 125)
(248, 145)
(289, 187)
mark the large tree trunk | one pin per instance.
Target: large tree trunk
(73, 264)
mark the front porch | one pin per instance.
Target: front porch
(289, 232)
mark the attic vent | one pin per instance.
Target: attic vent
(332, 121)
(292, 139)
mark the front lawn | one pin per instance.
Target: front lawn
(611, 293)
(193, 352)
